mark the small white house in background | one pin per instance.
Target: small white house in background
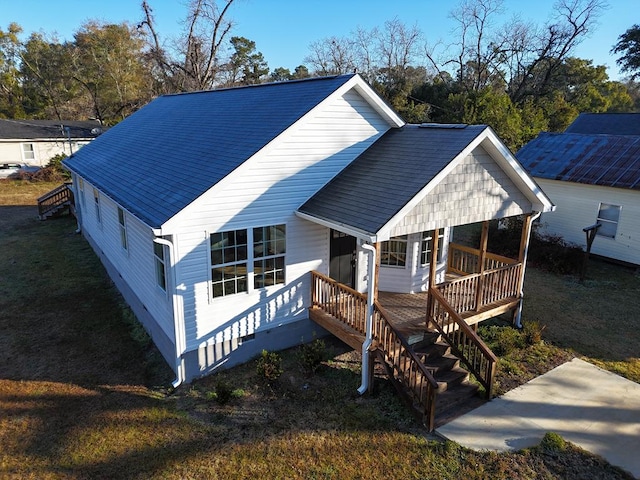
(35, 142)
(210, 209)
(592, 171)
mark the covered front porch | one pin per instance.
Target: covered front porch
(477, 285)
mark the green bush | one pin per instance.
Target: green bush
(502, 340)
(269, 365)
(532, 332)
(552, 442)
(312, 354)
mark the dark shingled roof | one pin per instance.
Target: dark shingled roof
(607, 160)
(373, 188)
(48, 129)
(160, 159)
(606, 123)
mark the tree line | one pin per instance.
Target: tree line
(519, 77)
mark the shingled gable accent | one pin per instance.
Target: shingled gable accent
(166, 155)
(347, 203)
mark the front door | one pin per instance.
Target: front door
(342, 258)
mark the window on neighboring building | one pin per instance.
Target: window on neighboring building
(393, 252)
(269, 248)
(96, 202)
(426, 246)
(229, 260)
(608, 217)
(28, 152)
(122, 220)
(158, 252)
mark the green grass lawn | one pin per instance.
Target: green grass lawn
(82, 396)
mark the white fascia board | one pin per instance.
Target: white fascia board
(509, 163)
(341, 227)
(358, 84)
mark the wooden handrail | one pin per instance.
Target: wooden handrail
(465, 260)
(350, 307)
(464, 342)
(496, 284)
(58, 196)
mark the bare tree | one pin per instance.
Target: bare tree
(198, 64)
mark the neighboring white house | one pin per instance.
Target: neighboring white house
(594, 178)
(35, 142)
(210, 209)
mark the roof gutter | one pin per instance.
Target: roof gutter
(371, 265)
(354, 232)
(178, 317)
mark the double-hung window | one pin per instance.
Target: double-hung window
(81, 191)
(161, 275)
(393, 252)
(28, 152)
(229, 260)
(268, 254)
(96, 202)
(122, 221)
(426, 246)
(608, 217)
(238, 255)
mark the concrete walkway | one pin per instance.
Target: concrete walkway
(590, 407)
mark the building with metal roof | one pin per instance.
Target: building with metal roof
(594, 178)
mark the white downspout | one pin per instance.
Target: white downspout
(369, 321)
(178, 320)
(518, 321)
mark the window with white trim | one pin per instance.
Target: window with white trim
(229, 260)
(608, 217)
(426, 246)
(161, 275)
(28, 152)
(96, 202)
(238, 255)
(269, 248)
(81, 191)
(393, 252)
(122, 221)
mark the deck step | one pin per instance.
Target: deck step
(450, 378)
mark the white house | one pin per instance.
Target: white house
(210, 209)
(593, 175)
(35, 142)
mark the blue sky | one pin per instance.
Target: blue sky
(284, 29)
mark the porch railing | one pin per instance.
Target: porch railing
(472, 292)
(464, 342)
(466, 260)
(350, 307)
(54, 200)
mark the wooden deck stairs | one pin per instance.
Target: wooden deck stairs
(430, 368)
(56, 202)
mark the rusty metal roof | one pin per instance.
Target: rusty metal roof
(607, 160)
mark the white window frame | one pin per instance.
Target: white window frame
(261, 262)
(122, 223)
(426, 245)
(391, 254)
(160, 266)
(81, 191)
(606, 221)
(96, 202)
(28, 154)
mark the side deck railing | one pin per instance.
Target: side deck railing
(350, 307)
(464, 260)
(472, 292)
(54, 200)
(464, 342)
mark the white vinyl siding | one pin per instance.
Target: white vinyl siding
(578, 206)
(139, 270)
(267, 190)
